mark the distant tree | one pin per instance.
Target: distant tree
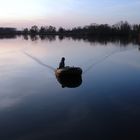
(51, 29)
(34, 30)
(61, 30)
(25, 31)
(42, 30)
(125, 28)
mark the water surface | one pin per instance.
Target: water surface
(33, 104)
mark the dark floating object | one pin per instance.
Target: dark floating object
(70, 77)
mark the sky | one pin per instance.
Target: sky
(67, 13)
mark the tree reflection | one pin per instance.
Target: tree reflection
(33, 37)
(124, 41)
(48, 37)
(26, 37)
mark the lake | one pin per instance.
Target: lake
(34, 105)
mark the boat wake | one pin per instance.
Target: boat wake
(38, 61)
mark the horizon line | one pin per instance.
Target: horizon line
(119, 22)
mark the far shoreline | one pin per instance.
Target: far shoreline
(120, 31)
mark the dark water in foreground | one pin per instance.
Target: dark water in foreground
(34, 106)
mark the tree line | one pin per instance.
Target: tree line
(120, 29)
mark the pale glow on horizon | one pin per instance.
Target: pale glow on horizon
(67, 13)
(19, 9)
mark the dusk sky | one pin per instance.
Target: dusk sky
(67, 13)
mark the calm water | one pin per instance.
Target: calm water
(34, 106)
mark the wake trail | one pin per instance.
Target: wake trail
(103, 59)
(38, 61)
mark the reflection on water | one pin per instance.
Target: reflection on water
(41, 37)
(102, 40)
(103, 103)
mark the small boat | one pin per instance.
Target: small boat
(69, 71)
(70, 77)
